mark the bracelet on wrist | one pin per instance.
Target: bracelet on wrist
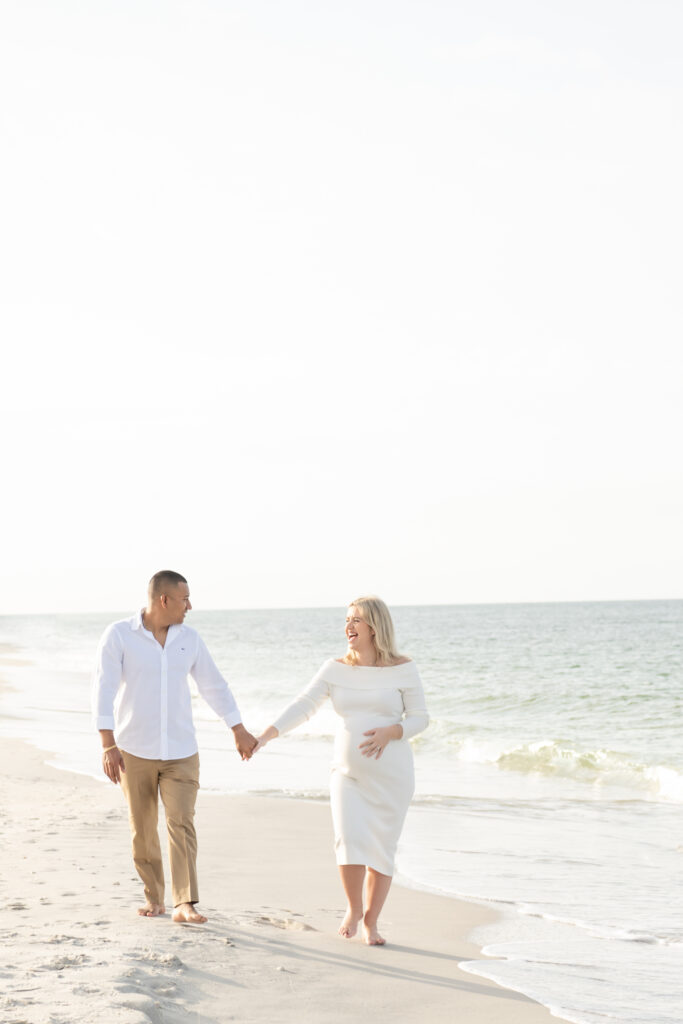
(112, 747)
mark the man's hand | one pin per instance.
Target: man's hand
(112, 764)
(244, 741)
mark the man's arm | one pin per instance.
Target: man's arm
(106, 681)
(218, 695)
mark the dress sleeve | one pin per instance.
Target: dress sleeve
(305, 705)
(415, 716)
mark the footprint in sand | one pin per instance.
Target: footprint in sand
(162, 986)
(287, 923)
(9, 1001)
(137, 1001)
(163, 959)
(65, 938)
(60, 963)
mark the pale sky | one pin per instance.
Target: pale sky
(305, 300)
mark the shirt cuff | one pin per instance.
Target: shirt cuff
(234, 718)
(104, 722)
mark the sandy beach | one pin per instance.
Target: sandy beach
(74, 949)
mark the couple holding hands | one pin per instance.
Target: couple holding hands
(142, 709)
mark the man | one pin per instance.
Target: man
(142, 708)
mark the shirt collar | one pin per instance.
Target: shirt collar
(173, 630)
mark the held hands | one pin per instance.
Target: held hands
(378, 739)
(244, 741)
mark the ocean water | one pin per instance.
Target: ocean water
(549, 783)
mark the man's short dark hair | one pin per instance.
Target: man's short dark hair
(160, 581)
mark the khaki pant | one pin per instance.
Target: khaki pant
(178, 782)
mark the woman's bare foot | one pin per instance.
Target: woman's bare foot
(371, 937)
(185, 913)
(152, 910)
(349, 926)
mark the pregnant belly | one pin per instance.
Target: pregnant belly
(397, 757)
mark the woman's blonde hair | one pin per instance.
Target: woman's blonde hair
(375, 613)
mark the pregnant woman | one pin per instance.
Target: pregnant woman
(378, 696)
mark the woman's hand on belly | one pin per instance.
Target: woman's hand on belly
(377, 740)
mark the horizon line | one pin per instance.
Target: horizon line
(333, 607)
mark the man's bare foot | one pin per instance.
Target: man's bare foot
(371, 937)
(152, 910)
(185, 913)
(349, 926)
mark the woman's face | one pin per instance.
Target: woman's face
(358, 633)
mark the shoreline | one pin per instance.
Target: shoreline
(567, 841)
(271, 891)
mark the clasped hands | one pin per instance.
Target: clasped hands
(244, 741)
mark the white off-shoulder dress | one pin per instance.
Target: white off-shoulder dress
(369, 797)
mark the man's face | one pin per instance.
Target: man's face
(177, 603)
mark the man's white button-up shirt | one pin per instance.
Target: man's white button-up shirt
(141, 689)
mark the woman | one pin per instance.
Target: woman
(378, 695)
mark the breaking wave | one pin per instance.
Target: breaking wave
(602, 767)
